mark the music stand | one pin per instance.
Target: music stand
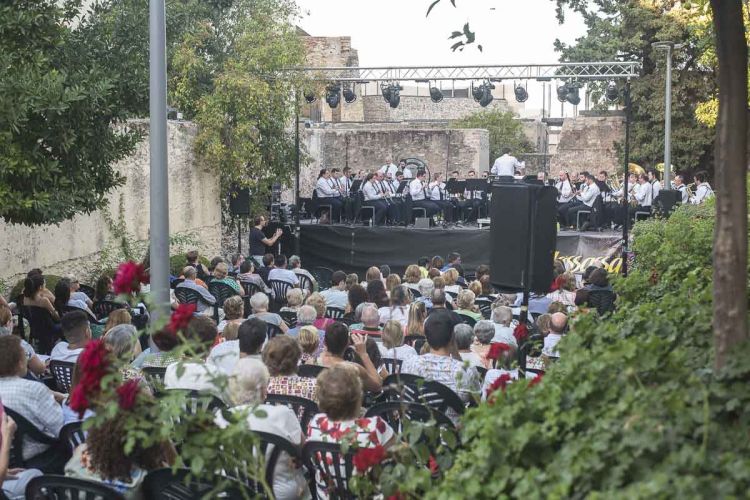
(476, 185)
(454, 186)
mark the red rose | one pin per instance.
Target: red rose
(127, 394)
(521, 332)
(78, 401)
(433, 465)
(365, 458)
(534, 381)
(497, 348)
(380, 425)
(129, 278)
(500, 382)
(94, 364)
(181, 317)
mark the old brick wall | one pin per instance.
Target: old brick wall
(587, 142)
(412, 108)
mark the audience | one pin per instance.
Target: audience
(484, 333)
(310, 341)
(464, 339)
(207, 300)
(465, 305)
(351, 280)
(398, 310)
(417, 315)
(558, 326)
(565, 293)
(502, 316)
(295, 263)
(412, 277)
(439, 304)
(392, 345)
(192, 259)
(234, 311)
(250, 338)
(336, 296)
(77, 331)
(221, 275)
(306, 316)
(104, 291)
(317, 301)
(13, 485)
(122, 342)
(34, 364)
(282, 355)
(391, 282)
(426, 287)
(268, 266)
(451, 276)
(259, 305)
(502, 365)
(376, 293)
(294, 298)
(370, 321)
(248, 275)
(118, 317)
(356, 295)
(281, 273)
(336, 344)
(36, 294)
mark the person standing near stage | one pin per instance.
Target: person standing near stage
(506, 164)
(326, 190)
(418, 192)
(374, 198)
(258, 240)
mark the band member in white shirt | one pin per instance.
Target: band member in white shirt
(679, 185)
(472, 200)
(388, 168)
(587, 196)
(644, 196)
(394, 207)
(328, 193)
(564, 188)
(438, 196)
(703, 189)
(403, 167)
(342, 184)
(374, 197)
(653, 179)
(418, 192)
(507, 164)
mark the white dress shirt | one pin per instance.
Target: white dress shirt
(655, 188)
(416, 190)
(684, 193)
(702, 193)
(390, 168)
(589, 194)
(564, 190)
(324, 188)
(644, 194)
(61, 352)
(506, 165)
(371, 191)
(407, 173)
(335, 298)
(195, 377)
(550, 345)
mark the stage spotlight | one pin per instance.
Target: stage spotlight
(435, 94)
(613, 93)
(476, 92)
(562, 92)
(395, 95)
(521, 94)
(333, 95)
(310, 97)
(386, 91)
(349, 95)
(486, 94)
(573, 96)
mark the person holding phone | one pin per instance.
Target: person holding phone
(258, 240)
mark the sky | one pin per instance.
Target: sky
(397, 33)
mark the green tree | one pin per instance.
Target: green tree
(58, 109)
(506, 131)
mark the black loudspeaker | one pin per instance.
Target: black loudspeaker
(523, 235)
(666, 201)
(239, 201)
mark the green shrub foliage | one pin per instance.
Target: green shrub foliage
(634, 409)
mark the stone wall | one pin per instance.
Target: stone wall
(74, 245)
(587, 142)
(413, 108)
(367, 146)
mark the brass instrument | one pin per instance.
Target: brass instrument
(690, 192)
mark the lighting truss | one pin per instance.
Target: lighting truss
(543, 72)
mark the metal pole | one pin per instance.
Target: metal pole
(296, 174)
(668, 121)
(625, 189)
(159, 194)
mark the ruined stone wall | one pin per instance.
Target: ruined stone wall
(413, 108)
(75, 245)
(587, 142)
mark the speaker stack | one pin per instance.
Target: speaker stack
(239, 201)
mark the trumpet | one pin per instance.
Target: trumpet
(690, 188)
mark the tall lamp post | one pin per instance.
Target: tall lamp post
(669, 47)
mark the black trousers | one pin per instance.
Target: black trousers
(469, 209)
(573, 213)
(446, 207)
(396, 211)
(336, 206)
(347, 208)
(429, 206)
(562, 211)
(380, 210)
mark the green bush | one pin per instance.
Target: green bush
(634, 409)
(178, 262)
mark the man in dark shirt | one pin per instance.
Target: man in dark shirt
(258, 240)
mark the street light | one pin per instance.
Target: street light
(669, 47)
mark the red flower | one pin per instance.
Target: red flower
(497, 348)
(78, 401)
(129, 278)
(534, 381)
(127, 394)
(94, 364)
(380, 425)
(181, 317)
(500, 382)
(433, 465)
(366, 458)
(397, 496)
(521, 332)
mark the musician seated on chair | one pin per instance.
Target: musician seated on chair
(586, 197)
(281, 273)
(329, 193)
(375, 198)
(208, 300)
(418, 192)
(644, 196)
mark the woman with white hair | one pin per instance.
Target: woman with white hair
(464, 336)
(259, 304)
(248, 388)
(122, 342)
(484, 332)
(502, 316)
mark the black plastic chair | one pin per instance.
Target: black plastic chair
(277, 445)
(154, 375)
(416, 341)
(304, 408)
(280, 288)
(272, 331)
(62, 371)
(392, 365)
(188, 296)
(72, 435)
(88, 290)
(323, 276)
(305, 283)
(485, 307)
(482, 371)
(52, 487)
(25, 430)
(289, 317)
(310, 371)
(163, 484)
(335, 473)
(196, 401)
(103, 308)
(43, 330)
(467, 320)
(394, 412)
(221, 292)
(411, 388)
(334, 313)
(250, 289)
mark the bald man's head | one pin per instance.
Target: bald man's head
(558, 322)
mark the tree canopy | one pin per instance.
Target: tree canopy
(506, 131)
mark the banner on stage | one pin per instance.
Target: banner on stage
(579, 253)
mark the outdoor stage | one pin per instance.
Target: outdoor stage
(354, 249)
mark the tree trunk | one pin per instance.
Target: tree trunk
(730, 235)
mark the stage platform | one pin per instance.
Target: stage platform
(355, 248)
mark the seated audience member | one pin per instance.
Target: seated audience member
(281, 273)
(439, 301)
(438, 365)
(453, 259)
(13, 485)
(424, 265)
(336, 343)
(192, 259)
(281, 355)
(487, 291)
(437, 262)
(306, 316)
(398, 310)
(355, 296)
(248, 275)
(417, 315)
(309, 340)
(267, 267)
(64, 299)
(221, 275)
(538, 303)
(36, 294)
(500, 366)
(215, 262)
(476, 288)
(33, 401)
(336, 296)
(557, 307)
(122, 342)
(118, 317)
(235, 261)
(481, 270)
(259, 304)
(294, 299)
(295, 264)
(372, 274)
(434, 273)
(103, 457)
(250, 338)
(451, 276)
(484, 332)
(385, 271)
(501, 317)
(104, 289)
(464, 339)
(75, 290)
(195, 374)
(340, 401)
(426, 287)
(33, 362)
(412, 277)
(543, 323)
(391, 282)
(557, 328)
(77, 331)
(370, 321)
(461, 279)
(317, 301)
(248, 387)
(392, 345)
(565, 293)
(376, 293)
(207, 300)
(351, 280)
(234, 312)
(465, 305)
(598, 293)
(165, 354)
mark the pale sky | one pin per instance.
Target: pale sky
(397, 33)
